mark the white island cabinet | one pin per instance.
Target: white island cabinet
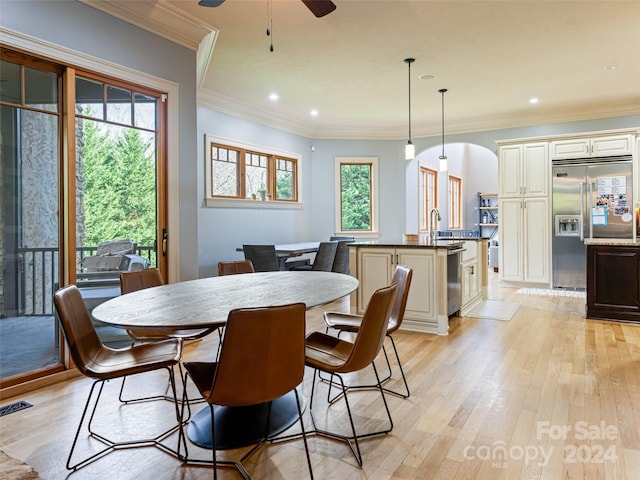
(373, 265)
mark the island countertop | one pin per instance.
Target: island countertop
(420, 243)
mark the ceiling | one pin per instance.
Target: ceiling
(349, 65)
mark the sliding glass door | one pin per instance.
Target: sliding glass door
(83, 169)
(30, 132)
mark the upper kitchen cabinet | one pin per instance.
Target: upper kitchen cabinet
(523, 170)
(592, 146)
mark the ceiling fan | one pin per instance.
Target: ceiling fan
(319, 8)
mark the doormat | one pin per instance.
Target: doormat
(14, 407)
(494, 310)
(14, 469)
(552, 292)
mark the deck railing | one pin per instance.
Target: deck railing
(38, 275)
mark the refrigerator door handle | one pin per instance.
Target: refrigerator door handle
(582, 211)
(590, 206)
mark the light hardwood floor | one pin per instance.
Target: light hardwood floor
(547, 395)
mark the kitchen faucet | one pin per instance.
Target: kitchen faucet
(432, 229)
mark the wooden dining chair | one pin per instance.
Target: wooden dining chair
(346, 322)
(262, 359)
(235, 267)
(101, 363)
(326, 353)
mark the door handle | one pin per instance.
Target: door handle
(165, 237)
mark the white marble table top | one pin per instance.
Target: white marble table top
(208, 301)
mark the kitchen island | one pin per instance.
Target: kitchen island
(613, 279)
(429, 304)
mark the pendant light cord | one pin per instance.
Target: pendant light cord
(442, 91)
(409, 61)
(270, 24)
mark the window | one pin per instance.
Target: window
(357, 195)
(455, 212)
(428, 195)
(247, 172)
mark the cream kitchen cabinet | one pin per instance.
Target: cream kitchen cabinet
(523, 170)
(427, 301)
(525, 250)
(471, 271)
(597, 146)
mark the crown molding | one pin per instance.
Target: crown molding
(160, 18)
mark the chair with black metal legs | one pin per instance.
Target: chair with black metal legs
(324, 258)
(147, 278)
(101, 363)
(235, 267)
(262, 358)
(336, 357)
(341, 260)
(263, 257)
(345, 322)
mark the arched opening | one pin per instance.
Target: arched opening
(476, 167)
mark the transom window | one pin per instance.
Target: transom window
(235, 171)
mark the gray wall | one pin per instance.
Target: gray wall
(82, 28)
(222, 230)
(208, 235)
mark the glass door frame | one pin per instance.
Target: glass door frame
(167, 146)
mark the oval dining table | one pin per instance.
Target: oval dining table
(206, 302)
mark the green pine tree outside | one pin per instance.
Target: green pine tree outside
(119, 185)
(356, 196)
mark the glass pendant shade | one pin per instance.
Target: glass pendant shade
(409, 151)
(444, 163)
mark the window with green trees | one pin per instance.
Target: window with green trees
(357, 200)
(243, 172)
(117, 175)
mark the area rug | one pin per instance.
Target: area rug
(552, 293)
(494, 310)
(13, 469)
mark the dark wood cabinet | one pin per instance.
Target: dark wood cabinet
(613, 282)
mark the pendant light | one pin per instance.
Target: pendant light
(443, 158)
(409, 148)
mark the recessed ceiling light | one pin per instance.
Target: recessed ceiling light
(533, 100)
(610, 68)
(314, 113)
(273, 97)
(426, 76)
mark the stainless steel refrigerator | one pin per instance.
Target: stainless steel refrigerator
(591, 199)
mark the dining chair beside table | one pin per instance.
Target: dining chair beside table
(207, 302)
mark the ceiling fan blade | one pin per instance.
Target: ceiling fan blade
(210, 3)
(320, 8)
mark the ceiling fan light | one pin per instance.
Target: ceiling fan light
(409, 151)
(444, 163)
